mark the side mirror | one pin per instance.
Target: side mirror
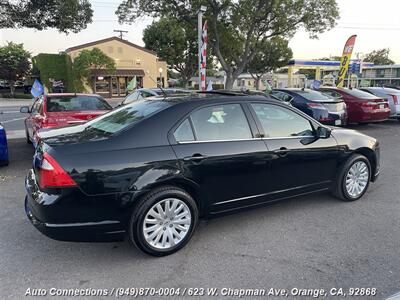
(323, 132)
(24, 110)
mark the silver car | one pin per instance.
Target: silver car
(392, 96)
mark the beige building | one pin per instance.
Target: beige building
(131, 60)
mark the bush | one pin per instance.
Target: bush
(16, 96)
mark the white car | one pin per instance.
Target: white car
(392, 95)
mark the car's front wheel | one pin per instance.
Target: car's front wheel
(163, 221)
(353, 179)
(28, 140)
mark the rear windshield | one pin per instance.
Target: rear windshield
(359, 94)
(315, 96)
(125, 116)
(76, 103)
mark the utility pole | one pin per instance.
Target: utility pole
(121, 32)
(199, 32)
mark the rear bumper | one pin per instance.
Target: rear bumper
(53, 215)
(369, 116)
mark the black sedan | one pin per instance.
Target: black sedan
(322, 107)
(149, 170)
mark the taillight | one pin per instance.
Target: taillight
(395, 100)
(52, 175)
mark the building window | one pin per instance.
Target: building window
(380, 73)
(110, 49)
(398, 73)
(102, 85)
(119, 50)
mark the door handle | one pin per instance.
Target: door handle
(194, 157)
(282, 151)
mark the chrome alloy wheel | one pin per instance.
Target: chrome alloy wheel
(357, 179)
(167, 223)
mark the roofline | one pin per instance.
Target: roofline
(113, 38)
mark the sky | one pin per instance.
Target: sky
(376, 24)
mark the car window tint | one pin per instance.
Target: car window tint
(281, 122)
(76, 103)
(333, 94)
(221, 122)
(130, 98)
(125, 116)
(34, 108)
(184, 132)
(359, 94)
(282, 96)
(314, 95)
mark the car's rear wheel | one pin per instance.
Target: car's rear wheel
(353, 179)
(164, 221)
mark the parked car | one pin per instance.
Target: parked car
(140, 94)
(3, 147)
(55, 110)
(362, 107)
(392, 95)
(152, 168)
(323, 108)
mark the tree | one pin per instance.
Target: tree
(89, 63)
(379, 57)
(14, 63)
(175, 44)
(238, 27)
(70, 15)
(271, 55)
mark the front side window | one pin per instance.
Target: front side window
(221, 122)
(279, 122)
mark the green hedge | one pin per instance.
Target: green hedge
(58, 67)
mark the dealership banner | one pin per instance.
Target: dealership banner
(204, 40)
(345, 61)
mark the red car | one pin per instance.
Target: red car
(56, 110)
(362, 107)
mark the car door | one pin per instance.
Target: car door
(32, 118)
(219, 149)
(300, 162)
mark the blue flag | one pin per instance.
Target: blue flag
(37, 89)
(316, 84)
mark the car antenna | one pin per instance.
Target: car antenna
(159, 85)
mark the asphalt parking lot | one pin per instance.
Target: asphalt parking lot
(310, 242)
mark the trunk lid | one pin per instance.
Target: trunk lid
(72, 117)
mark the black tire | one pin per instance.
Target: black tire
(136, 234)
(398, 119)
(363, 124)
(28, 141)
(339, 189)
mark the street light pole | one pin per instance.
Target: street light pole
(199, 33)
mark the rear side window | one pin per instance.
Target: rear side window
(125, 116)
(184, 132)
(76, 103)
(282, 96)
(220, 122)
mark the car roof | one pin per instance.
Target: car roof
(212, 96)
(301, 90)
(71, 95)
